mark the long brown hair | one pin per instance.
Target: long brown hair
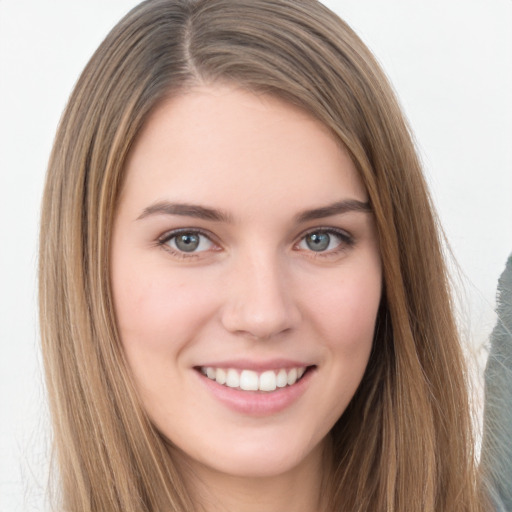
(404, 443)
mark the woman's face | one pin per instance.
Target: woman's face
(246, 279)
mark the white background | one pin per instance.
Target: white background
(451, 64)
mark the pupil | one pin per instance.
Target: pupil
(187, 242)
(318, 241)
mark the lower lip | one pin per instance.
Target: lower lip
(258, 403)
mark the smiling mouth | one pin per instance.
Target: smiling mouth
(249, 380)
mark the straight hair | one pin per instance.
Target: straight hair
(405, 442)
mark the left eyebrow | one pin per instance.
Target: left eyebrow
(345, 206)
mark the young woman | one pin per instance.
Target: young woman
(244, 304)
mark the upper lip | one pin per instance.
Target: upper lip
(258, 366)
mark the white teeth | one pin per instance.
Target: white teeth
(268, 381)
(220, 377)
(282, 379)
(249, 380)
(292, 376)
(232, 379)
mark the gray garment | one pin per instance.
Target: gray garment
(496, 456)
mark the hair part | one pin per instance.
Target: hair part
(404, 443)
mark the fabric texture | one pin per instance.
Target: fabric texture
(496, 456)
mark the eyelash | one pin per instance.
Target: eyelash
(346, 241)
(164, 240)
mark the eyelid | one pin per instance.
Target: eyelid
(179, 231)
(343, 233)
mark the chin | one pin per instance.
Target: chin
(255, 460)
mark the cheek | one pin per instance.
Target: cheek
(346, 309)
(345, 314)
(158, 310)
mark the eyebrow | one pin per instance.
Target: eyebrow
(337, 208)
(186, 210)
(213, 214)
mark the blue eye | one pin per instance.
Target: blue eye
(324, 241)
(188, 242)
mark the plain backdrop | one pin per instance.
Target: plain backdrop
(450, 62)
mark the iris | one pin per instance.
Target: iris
(318, 241)
(187, 242)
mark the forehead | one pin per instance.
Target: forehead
(226, 145)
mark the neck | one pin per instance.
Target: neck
(299, 489)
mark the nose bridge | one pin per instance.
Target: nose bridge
(260, 301)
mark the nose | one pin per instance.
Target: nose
(259, 299)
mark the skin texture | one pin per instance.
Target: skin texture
(252, 292)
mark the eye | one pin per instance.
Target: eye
(325, 240)
(187, 242)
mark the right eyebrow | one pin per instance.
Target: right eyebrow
(186, 210)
